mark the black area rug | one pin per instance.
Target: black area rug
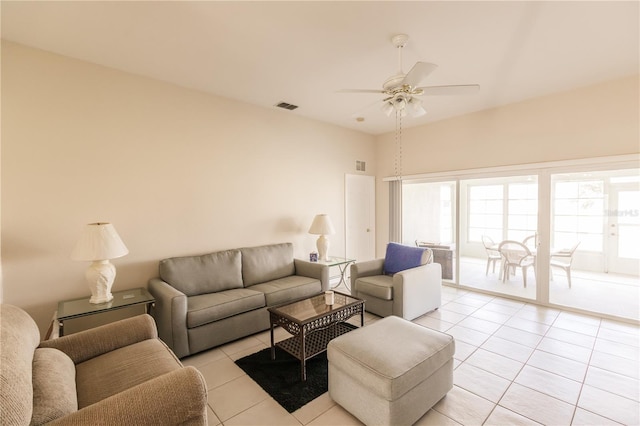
(281, 378)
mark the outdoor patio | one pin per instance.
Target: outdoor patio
(609, 294)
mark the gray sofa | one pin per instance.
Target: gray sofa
(115, 374)
(205, 301)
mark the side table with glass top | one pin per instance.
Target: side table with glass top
(342, 264)
(78, 308)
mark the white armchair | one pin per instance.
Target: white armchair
(408, 294)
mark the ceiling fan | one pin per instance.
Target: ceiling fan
(402, 90)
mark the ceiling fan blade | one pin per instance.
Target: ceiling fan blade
(419, 72)
(366, 109)
(361, 91)
(459, 89)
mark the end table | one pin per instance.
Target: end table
(76, 308)
(342, 264)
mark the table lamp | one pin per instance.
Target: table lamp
(322, 226)
(98, 243)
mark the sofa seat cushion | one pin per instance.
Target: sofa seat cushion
(288, 289)
(193, 275)
(111, 373)
(54, 385)
(378, 286)
(267, 263)
(207, 308)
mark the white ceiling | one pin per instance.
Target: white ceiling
(304, 52)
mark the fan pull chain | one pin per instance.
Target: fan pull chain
(400, 141)
(398, 156)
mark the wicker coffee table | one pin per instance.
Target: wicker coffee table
(313, 324)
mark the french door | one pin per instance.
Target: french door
(623, 229)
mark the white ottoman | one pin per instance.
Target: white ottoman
(390, 372)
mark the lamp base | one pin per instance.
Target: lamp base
(102, 299)
(323, 248)
(100, 276)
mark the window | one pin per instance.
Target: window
(578, 213)
(505, 209)
(486, 212)
(522, 208)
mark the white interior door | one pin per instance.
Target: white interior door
(360, 217)
(624, 229)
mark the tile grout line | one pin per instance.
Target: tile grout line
(586, 372)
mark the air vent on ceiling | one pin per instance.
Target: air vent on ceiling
(286, 105)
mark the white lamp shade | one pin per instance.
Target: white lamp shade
(99, 241)
(322, 225)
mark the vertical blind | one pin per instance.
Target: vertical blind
(395, 211)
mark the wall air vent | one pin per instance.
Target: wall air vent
(361, 166)
(286, 105)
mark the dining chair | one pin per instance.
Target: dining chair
(531, 241)
(515, 255)
(493, 254)
(562, 259)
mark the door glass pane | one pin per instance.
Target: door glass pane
(599, 211)
(628, 224)
(493, 210)
(428, 220)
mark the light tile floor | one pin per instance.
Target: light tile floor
(515, 363)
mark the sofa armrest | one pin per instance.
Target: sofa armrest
(313, 270)
(170, 313)
(178, 397)
(417, 291)
(90, 343)
(365, 269)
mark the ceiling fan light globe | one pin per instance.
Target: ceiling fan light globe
(415, 107)
(399, 102)
(387, 108)
(418, 112)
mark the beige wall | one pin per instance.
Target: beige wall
(596, 121)
(176, 171)
(180, 172)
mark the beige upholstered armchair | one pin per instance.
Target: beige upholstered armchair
(407, 293)
(116, 374)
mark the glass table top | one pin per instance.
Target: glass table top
(314, 307)
(335, 261)
(121, 299)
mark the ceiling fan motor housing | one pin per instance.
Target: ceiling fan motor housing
(393, 82)
(399, 40)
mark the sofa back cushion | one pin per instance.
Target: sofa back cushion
(54, 386)
(19, 337)
(400, 257)
(267, 263)
(209, 273)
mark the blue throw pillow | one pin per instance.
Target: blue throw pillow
(400, 257)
